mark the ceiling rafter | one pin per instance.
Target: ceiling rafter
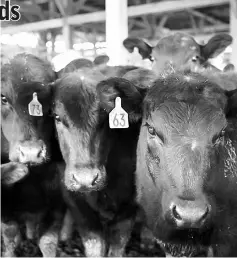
(27, 8)
(206, 17)
(39, 10)
(152, 10)
(163, 21)
(78, 5)
(193, 22)
(61, 7)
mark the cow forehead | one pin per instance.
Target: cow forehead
(177, 43)
(76, 100)
(186, 87)
(187, 120)
(21, 94)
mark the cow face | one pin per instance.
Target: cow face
(81, 109)
(184, 143)
(81, 135)
(28, 136)
(179, 51)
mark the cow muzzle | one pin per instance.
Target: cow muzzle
(86, 178)
(188, 214)
(31, 152)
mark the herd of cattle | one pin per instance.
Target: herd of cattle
(173, 170)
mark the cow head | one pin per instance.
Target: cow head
(229, 67)
(80, 134)
(81, 111)
(179, 51)
(101, 60)
(28, 136)
(74, 65)
(186, 160)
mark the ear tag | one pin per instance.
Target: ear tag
(34, 107)
(118, 117)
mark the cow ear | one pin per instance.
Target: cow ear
(102, 59)
(131, 97)
(229, 67)
(143, 48)
(216, 45)
(58, 74)
(232, 103)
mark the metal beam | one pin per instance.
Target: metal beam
(206, 17)
(61, 7)
(38, 9)
(116, 30)
(158, 8)
(172, 6)
(233, 30)
(67, 34)
(207, 29)
(79, 5)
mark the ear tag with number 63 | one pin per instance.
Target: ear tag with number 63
(35, 108)
(118, 117)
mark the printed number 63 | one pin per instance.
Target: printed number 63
(116, 121)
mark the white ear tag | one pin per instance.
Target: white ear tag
(118, 117)
(34, 107)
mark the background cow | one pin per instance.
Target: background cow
(29, 148)
(186, 165)
(179, 51)
(79, 63)
(97, 158)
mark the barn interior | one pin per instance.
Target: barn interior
(61, 31)
(86, 28)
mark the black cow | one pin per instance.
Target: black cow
(83, 63)
(101, 60)
(28, 149)
(100, 162)
(142, 78)
(74, 65)
(229, 67)
(186, 164)
(116, 71)
(106, 70)
(179, 51)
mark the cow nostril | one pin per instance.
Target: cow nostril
(21, 152)
(39, 153)
(175, 213)
(205, 213)
(95, 179)
(191, 214)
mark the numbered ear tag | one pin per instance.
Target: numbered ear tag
(35, 108)
(118, 117)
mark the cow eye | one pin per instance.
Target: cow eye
(4, 100)
(217, 138)
(151, 130)
(152, 59)
(57, 118)
(195, 59)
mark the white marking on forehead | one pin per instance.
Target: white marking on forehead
(194, 144)
(82, 77)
